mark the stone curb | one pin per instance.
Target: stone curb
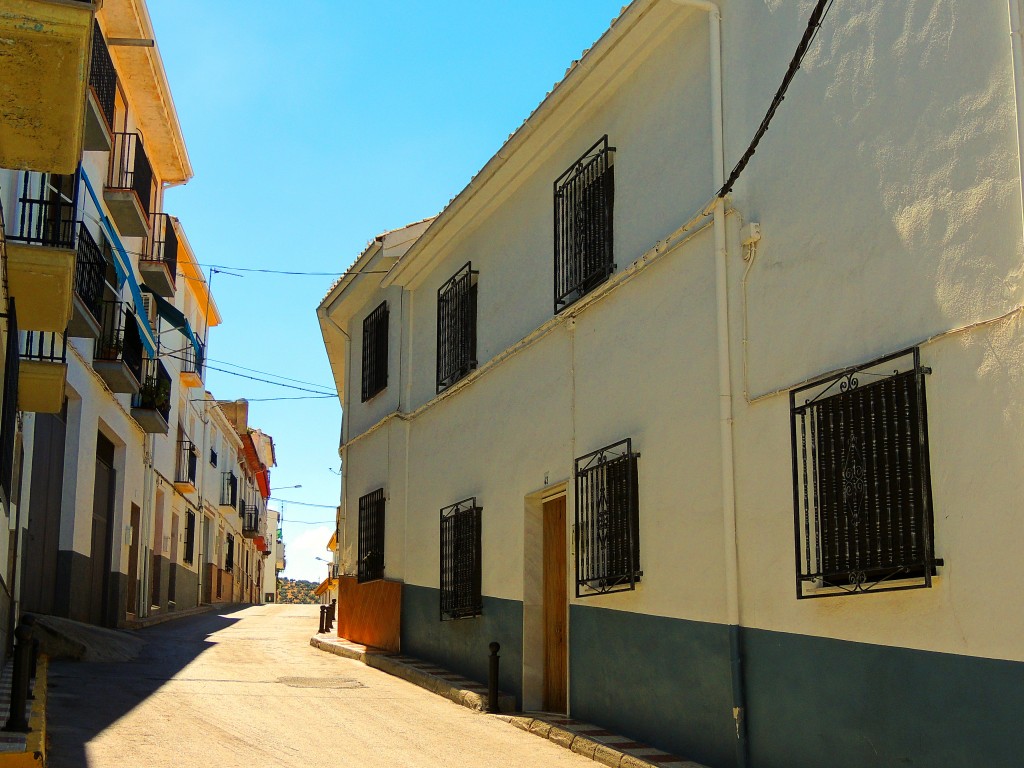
(387, 662)
(584, 746)
(160, 618)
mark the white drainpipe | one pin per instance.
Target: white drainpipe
(1018, 82)
(725, 416)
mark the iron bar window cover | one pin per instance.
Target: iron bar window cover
(371, 536)
(461, 596)
(607, 520)
(584, 199)
(90, 271)
(861, 481)
(102, 76)
(9, 412)
(188, 457)
(190, 536)
(456, 327)
(375, 351)
(228, 489)
(130, 168)
(229, 554)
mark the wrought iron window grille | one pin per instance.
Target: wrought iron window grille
(456, 326)
(371, 536)
(229, 554)
(190, 537)
(584, 197)
(375, 351)
(102, 76)
(607, 529)
(862, 495)
(461, 596)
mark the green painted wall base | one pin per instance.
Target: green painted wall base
(461, 646)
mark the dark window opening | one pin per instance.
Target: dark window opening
(607, 521)
(371, 536)
(375, 351)
(461, 596)
(456, 327)
(190, 537)
(861, 480)
(584, 199)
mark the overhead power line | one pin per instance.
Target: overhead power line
(813, 25)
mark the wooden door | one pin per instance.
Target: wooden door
(133, 561)
(102, 530)
(556, 608)
(39, 562)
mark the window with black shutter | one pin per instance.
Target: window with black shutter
(456, 327)
(461, 596)
(190, 537)
(607, 520)
(584, 200)
(371, 536)
(375, 351)
(861, 480)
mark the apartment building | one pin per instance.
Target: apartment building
(113, 320)
(733, 469)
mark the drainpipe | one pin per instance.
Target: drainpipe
(1018, 82)
(342, 451)
(725, 415)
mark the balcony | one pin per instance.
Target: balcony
(192, 366)
(42, 372)
(228, 490)
(43, 64)
(41, 252)
(118, 352)
(151, 405)
(185, 468)
(99, 107)
(90, 274)
(159, 266)
(129, 190)
(254, 522)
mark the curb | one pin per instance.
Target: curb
(160, 618)
(460, 690)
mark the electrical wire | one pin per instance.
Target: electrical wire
(813, 25)
(262, 381)
(265, 373)
(304, 503)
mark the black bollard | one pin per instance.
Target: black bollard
(492, 680)
(33, 658)
(331, 615)
(16, 721)
(323, 619)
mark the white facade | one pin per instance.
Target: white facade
(887, 194)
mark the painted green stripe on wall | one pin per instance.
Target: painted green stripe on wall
(814, 701)
(462, 646)
(664, 682)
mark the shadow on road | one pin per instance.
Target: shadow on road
(85, 698)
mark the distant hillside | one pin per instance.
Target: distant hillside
(296, 591)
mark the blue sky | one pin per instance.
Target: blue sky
(312, 126)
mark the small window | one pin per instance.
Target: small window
(190, 537)
(584, 198)
(607, 521)
(375, 351)
(456, 327)
(213, 458)
(460, 561)
(371, 536)
(861, 480)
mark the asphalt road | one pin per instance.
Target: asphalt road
(246, 689)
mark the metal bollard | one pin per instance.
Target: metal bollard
(331, 614)
(492, 680)
(30, 620)
(323, 620)
(16, 720)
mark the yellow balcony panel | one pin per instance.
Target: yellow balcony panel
(44, 62)
(41, 385)
(41, 279)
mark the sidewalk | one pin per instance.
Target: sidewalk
(25, 750)
(587, 740)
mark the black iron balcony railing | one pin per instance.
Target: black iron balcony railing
(192, 360)
(102, 76)
(228, 489)
(185, 469)
(155, 392)
(163, 245)
(44, 347)
(251, 519)
(119, 338)
(130, 168)
(90, 271)
(47, 215)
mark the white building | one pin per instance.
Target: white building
(630, 429)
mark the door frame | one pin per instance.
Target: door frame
(533, 591)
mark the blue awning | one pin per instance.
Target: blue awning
(177, 319)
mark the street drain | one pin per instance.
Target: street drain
(320, 682)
